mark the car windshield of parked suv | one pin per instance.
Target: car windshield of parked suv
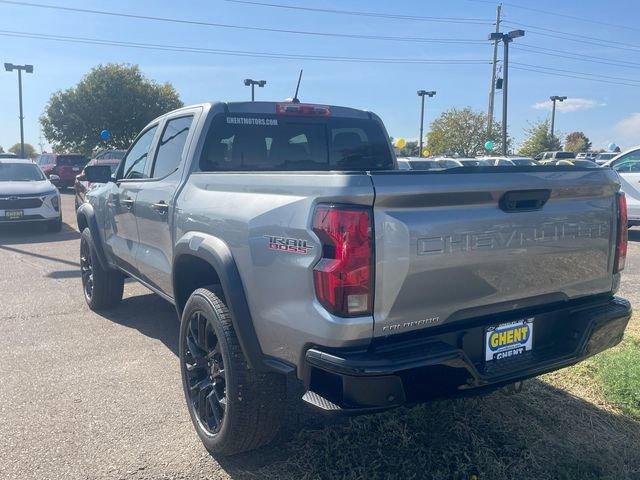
(20, 172)
(559, 155)
(268, 142)
(72, 160)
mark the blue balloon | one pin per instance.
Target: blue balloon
(104, 134)
(612, 147)
(488, 145)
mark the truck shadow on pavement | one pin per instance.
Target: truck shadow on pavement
(150, 315)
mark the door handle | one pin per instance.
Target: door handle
(127, 202)
(160, 207)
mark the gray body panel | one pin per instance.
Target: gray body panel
(243, 210)
(443, 248)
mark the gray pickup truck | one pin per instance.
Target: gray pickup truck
(295, 251)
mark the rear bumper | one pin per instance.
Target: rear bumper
(450, 360)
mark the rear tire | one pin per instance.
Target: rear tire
(233, 408)
(102, 288)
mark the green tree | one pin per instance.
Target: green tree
(29, 151)
(115, 97)
(539, 140)
(460, 132)
(577, 142)
(409, 150)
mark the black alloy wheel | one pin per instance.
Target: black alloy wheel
(86, 269)
(205, 372)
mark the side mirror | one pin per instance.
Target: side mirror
(54, 178)
(97, 173)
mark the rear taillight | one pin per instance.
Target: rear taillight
(344, 275)
(302, 109)
(621, 240)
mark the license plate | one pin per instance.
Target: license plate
(13, 214)
(508, 340)
(76, 169)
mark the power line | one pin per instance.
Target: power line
(609, 77)
(576, 56)
(240, 53)
(582, 39)
(572, 17)
(575, 76)
(556, 14)
(478, 21)
(244, 27)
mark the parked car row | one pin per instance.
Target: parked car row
(546, 158)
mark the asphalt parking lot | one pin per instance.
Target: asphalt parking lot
(84, 395)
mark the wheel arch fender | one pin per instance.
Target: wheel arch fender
(217, 254)
(86, 218)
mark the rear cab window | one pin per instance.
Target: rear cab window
(272, 142)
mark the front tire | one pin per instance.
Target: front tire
(233, 408)
(102, 288)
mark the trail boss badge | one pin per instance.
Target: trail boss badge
(288, 245)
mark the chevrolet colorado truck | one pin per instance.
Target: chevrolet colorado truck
(293, 248)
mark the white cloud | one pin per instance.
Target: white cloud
(627, 130)
(569, 105)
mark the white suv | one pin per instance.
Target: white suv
(26, 195)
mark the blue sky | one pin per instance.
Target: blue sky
(606, 112)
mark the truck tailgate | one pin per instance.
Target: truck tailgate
(451, 245)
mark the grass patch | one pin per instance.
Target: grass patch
(619, 375)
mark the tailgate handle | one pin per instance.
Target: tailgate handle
(524, 200)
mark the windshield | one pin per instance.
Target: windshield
(260, 142)
(20, 172)
(565, 155)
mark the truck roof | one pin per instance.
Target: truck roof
(270, 108)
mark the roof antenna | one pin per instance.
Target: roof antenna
(295, 96)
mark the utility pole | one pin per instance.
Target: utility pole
(41, 143)
(506, 38)
(10, 67)
(422, 94)
(492, 89)
(553, 99)
(252, 83)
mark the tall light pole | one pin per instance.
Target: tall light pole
(554, 98)
(422, 94)
(506, 38)
(252, 83)
(10, 67)
(492, 90)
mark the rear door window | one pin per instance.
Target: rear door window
(171, 146)
(271, 143)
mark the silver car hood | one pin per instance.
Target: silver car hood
(26, 188)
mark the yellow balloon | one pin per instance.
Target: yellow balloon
(400, 143)
(425, 152)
